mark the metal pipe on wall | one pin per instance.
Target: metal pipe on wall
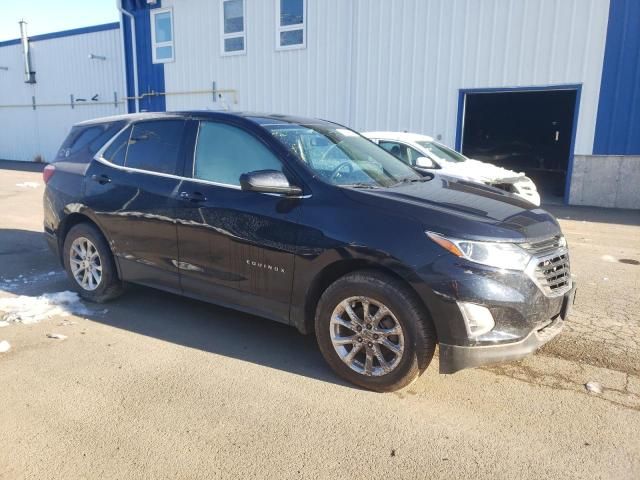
(133, 49)
(29, 75)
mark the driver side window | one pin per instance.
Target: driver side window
(224, 152)
(396, 149)
(413, 155)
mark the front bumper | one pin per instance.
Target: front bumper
(454, 358)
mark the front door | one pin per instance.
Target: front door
(236, 247)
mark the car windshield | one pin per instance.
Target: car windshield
(342, 157)
(441, 152)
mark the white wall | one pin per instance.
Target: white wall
(309, 82)
(62, 68)
(393, 64)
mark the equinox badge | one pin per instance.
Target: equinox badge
(253, 263)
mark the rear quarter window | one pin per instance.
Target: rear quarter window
(83, 142)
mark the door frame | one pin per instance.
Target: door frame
(462, 98)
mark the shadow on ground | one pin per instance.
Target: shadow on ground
(165, 316)
(21, 166)
(595, 214)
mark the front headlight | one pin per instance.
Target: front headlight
(494, 254)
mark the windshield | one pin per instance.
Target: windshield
(440, 152)
(343, 157)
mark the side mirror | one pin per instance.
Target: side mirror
(424, 162)
(268, 181)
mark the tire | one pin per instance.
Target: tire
(417, 339)
(109, 285)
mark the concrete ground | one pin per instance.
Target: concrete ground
(157, 386)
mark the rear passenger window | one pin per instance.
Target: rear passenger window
(117, 151)
(155, 146)
(225, 152)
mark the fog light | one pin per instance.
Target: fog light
(478, 319)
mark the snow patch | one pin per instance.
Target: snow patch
(12, 284)
(27, 310)
(4, 346)
(28, 185)
(477, 170)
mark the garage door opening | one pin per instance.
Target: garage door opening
(527, 131)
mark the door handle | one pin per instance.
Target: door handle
(101, 179)
(195, 197)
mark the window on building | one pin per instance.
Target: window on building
(162, 35)
(291, 16)
(233, 29)
(155, 146)
(225, 152)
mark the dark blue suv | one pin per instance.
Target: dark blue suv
(308, 223)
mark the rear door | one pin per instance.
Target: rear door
(132, 192)
(236, 247)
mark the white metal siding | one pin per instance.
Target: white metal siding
(392, 64)
(62, 68)
(308, 81)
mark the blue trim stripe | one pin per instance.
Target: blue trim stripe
(65, 33)
(618, 120)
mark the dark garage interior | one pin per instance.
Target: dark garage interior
(525, 131)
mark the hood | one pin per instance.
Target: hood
(463, 209)
(479, 171)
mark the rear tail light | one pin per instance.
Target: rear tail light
(48, 172)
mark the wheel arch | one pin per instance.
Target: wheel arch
(338, 269)
(71, 221)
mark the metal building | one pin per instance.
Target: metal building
(550, 87)
(73, 75)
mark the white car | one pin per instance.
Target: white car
(424, 153)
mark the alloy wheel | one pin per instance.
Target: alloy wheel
(367, 336)
(85, 262)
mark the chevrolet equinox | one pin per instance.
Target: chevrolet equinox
(308, 223)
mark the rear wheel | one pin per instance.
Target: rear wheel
(373, 331)
(90, 264)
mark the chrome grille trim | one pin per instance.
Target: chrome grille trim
(540, 247)
(551, 272)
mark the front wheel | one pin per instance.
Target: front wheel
(90, 264)
(373, 331)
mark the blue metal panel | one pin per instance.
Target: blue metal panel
(618, 121)
(64, 33)
(578, 88)
(150, 75)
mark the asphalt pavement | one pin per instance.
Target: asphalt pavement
(153, 385)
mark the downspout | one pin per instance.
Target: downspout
(134, 51)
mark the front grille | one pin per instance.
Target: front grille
(553, 274)
(542, 247)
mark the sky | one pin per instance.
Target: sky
(45, 16)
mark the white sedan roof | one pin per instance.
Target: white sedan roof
(400, 136)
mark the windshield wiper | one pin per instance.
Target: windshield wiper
(414, 180)
(361, 185)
